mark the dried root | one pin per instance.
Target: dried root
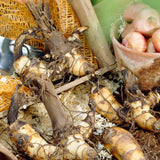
(122, 145)
(105, 103)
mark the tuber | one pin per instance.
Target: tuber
(122, 145)
(131, 12)
(105, 103)
(141, 112)
(156, 40)
(135, 41)
(77, 65)
(150, 46)
(76, 145)
(147, 21)
(86, 126)
(29, 141)
(140, 104)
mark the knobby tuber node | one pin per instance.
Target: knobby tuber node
(122, 144)
(105, 103)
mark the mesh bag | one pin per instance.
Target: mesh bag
(7, 87)
(15, 18)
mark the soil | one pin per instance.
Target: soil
(149, 142)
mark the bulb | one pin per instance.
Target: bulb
(135, 41)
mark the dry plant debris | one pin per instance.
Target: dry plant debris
(64, 137)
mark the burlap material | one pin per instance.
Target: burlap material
(7, 87)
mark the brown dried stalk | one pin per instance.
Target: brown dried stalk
(46, 91)
(5, 154)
